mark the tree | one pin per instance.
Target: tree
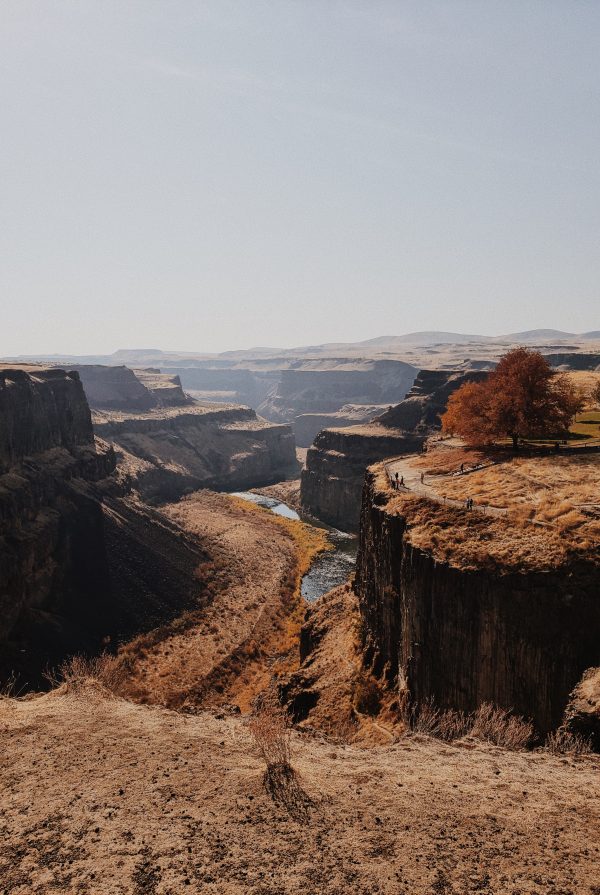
(522, 398)
(595, 394)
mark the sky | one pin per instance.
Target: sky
(215, 175)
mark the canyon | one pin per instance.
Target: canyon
(111, 541)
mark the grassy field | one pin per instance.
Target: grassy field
(553, 505)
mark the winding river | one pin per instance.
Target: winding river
(328, 569)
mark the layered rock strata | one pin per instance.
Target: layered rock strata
(458, 637)
(174, 451)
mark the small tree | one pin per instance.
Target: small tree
(522, 398)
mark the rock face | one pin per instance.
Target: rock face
(458, 637)
(575, 361)
(331, 483)
(324, 387)
(335, 465)
(582, 716)
(175, 451)
(427, 400)
(165, 387)
(80, 559)
(114, 388)
(40, 409)
(308, 425)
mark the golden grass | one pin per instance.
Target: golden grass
(585, 380)
(547, 489)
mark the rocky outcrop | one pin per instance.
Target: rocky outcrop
(40, 409)
(427, 400)
(173, 451)
(165, 387)
(114, 388)
(332, 482)
(308, 425)
(517, 638)
(574, 361)
(81, 560)
(582, 716)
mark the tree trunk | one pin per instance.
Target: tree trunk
(515, 441)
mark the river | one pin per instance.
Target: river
(327, 569)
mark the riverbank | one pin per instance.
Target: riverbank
(246, 628)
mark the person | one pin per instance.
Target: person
(467, 506)
(462, 467)
(422, 477)
(397, 481)
(401, 481)
(392, 482)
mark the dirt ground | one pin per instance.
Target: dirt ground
(102, 797)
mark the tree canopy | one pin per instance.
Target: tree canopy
(522, 398)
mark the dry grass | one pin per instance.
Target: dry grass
(487, 723)
(271, 731)
(563, 742)
(552, 503)
(446, 460)
(494, 725)
(104, 674)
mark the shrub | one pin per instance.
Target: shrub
(563, 742)
(104, 672)
(497, 726)
(270, 728)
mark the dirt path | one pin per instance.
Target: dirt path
(432, 485)
(102, 797)
(221, 652)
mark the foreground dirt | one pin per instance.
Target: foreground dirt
(102, 797)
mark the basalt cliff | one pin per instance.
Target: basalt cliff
(457, 637)
(336, 462)
(82, 561)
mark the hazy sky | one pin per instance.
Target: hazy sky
(211, 175)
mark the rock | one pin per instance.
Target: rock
(582, 715)
(458, 637)
(114, 388)
(331, 484)
(80, 559)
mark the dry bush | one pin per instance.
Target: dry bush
(423, 718)
(563, 742)
(270, 728)
(103, 673)
(488, 723)
(445, 725)
(453, 725)
(498, 726)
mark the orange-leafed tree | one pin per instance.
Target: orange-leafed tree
(522, 398)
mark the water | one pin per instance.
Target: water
(328, 569)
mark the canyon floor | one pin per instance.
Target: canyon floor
(103, 797)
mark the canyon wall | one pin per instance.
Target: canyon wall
(177, 450)
(332, 481)
(325, 386)
(81, 560)
(460, 637)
